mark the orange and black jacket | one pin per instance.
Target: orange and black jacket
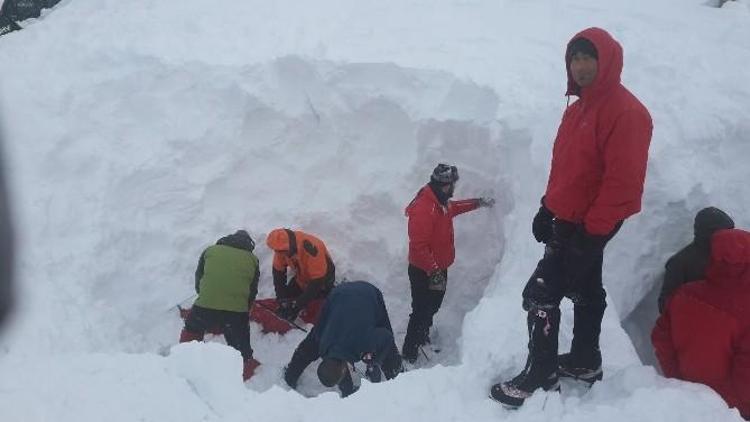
(314, 272)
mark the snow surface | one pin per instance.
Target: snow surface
(138, 132)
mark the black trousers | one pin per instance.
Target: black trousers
(576, 274)
(234, 325)
(424, 305)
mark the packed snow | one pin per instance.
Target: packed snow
(139, 132)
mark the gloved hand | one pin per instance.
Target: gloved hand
(438, 280)
(486, 202)
(541, 227)
(287, 310)
(372, 372)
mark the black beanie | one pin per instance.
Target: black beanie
(331, 371)
(582, 45)
(708, 220)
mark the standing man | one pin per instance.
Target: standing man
(595, 183)
(689, 264)
(703, 333)
(314, 272)
(431, 251)
(353, 326)
(226, 281)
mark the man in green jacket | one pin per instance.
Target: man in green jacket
(226, 281)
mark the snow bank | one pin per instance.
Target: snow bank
(139, 132)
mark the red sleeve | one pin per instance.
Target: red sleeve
(421, 221)
(740, 373)
(625, 159)
(661, 338)
(460, 207)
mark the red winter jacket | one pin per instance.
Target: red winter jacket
(431, 230)
(601, 149)
(704, 333)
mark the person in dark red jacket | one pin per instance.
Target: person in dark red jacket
(703, 335)
(431, 250)
(595, 182)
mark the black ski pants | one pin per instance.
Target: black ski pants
(424, 305)
(234, 326)
(576, 274)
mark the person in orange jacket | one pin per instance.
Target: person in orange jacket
(703, 335)
(431, 251)
(314, 272)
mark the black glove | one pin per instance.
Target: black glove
(541, 227)
(287, 310)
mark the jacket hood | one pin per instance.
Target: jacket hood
(730, 257)
(609, 63)
(278, 240)
(239, 239)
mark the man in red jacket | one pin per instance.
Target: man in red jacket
(595, 182)
(431, 250)
(703, 335)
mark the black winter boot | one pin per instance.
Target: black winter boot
(584, 362)
(541, 364)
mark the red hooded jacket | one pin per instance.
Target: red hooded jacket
(704, 333)
(431, 230)
(600, 153)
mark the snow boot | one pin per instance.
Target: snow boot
(249, 369)
(588, 370)
(541, 365)
(584, 362)
(188, 336)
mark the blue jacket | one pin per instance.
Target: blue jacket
(353, 322)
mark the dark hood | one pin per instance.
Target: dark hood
(240, 240)
(709, 220)
(609, 63)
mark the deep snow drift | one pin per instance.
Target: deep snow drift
(140, 132)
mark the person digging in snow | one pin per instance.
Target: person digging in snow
(596, 181)
(431, 251)
(314, 273)
(703, 334)
(353, 326)
(689, 264)
(226, 281)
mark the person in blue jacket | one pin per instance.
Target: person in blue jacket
(353, 327)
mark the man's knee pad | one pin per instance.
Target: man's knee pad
(539, 294)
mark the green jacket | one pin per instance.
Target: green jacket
(227, 276)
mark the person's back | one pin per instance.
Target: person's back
(704, 333)
(228, 275)
(689, 264)
(348, 321)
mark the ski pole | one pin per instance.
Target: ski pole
(292, 323)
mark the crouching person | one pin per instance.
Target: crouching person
(703, 334)
(353, 326)
(313, 273)
(226, 281)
